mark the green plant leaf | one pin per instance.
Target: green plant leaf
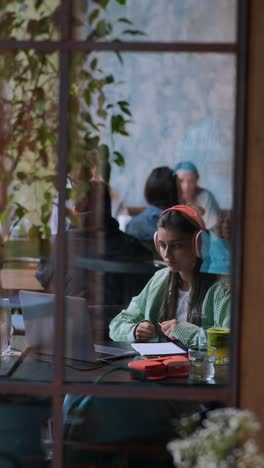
(123, 103)
(4, 216)
(121, 2)
(134, 32)
(88, 118)
(21, 175)
(109, 79)
(119, 56)
(102, 3)
(20, 211)
(93, 16)
(124, 106)
(93, 64)
(87, 96)
(125, 20)
(38, 4)
(44, 23)
(94, 85)
(91, 143)
(104, 166)
(118, 125)
(34, 233)
(126, 111)
(46, 230)
(103, 28)
(119, 159)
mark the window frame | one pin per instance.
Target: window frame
(65, 45)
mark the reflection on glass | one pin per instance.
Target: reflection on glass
(22, 418)
(159, 20)
(129, 121)
(28, 133)
(99, 413)
(36, 20)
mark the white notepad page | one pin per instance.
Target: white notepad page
(157, 349)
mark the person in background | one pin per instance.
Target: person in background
(91, 169)
(160, 193)
(178, 299)
(190, 193)
(96, 235)
(218, 258)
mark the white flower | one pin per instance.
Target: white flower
(222, 442)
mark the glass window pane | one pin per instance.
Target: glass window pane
(159, 20)
(29, 19)
(28, 129)
(116, 423)
(24, 430)
(127, 119)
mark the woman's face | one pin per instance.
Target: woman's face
(176, 250)
(187, 184)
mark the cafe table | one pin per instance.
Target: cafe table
(30, 367)
(36, 367)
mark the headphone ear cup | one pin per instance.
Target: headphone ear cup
(156, 241)
(197, 244)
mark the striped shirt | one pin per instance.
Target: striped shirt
(149, 304)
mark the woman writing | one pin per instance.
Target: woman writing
(178, 299)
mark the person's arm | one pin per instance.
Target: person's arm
(217, 305)
(144, 307)
(215, 313)
(122, 326)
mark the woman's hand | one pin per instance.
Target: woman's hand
(168, 327)
(145, 331)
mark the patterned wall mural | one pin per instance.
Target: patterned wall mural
(182, 104)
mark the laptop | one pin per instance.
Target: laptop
(38, 311)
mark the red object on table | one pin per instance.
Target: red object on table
(161, 368)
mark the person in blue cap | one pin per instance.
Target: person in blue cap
(217, 259)
(190, 193)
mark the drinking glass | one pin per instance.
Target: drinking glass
(5, 326)
(202, 361)
(219, 339)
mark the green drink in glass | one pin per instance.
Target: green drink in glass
(219, 338)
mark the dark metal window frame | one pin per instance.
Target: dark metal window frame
(58, 388)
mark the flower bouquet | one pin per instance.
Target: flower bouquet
(225, 439)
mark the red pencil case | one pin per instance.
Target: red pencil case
(161, 368)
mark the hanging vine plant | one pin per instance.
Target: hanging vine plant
(29, 102)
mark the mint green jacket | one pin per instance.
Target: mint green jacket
(148, 305)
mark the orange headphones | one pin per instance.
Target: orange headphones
(192, 215)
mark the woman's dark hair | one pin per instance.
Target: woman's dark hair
(161, 188)
(201, 281)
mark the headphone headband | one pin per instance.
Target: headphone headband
(189, 212)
